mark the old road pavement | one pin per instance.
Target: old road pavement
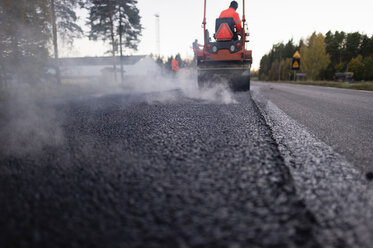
(341, 118)
(171, 169)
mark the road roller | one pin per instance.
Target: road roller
(224, 58)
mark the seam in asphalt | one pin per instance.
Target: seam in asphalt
(331, 188)
(308, 213)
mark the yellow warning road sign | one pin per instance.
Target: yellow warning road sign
(296, 55)
(295, 64)
(296, 61)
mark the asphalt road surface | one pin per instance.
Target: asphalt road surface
(174, 171)
(341, 118)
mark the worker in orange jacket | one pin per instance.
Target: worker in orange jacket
(231, 12)
(175, 65)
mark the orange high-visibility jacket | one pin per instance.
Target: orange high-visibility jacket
(175, 65)
(232, 13)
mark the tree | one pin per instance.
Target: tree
(25, 33)
(368, 67)
(353, 41)
(264, 67)
(111, 18)
(55, 45)
(286, 67)
(314, 56)
(366, 47)
(63, 19)
(356, 66)
(341, 67)
(129, 28)
(101, 18)
(322, 56)
(273, 66)
(289, 49)
(301, 43)
(26, 30)
(274, 71)
(335, 46)
(267, 67)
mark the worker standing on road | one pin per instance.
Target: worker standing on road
(231, 12)
(175, 65)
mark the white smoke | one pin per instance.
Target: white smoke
(30, 122)
(152, 79)
(28, 125)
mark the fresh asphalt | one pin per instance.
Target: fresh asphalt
(341, 118)
(181, 172)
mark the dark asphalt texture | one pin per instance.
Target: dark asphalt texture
(341, 118)
(180, 173)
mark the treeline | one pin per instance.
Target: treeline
(31, 29)
(322, 56)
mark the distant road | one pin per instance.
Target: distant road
(341, 118)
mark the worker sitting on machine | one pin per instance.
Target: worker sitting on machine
(225, 15)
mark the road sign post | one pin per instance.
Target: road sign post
(296, 63)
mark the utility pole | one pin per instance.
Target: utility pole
(157, 35)
(55, 44)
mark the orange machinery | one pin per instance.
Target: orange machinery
(225, 59)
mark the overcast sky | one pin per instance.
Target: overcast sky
(268, 21)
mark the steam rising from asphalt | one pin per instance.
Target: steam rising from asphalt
(30, 121)
(169, 88)
(28, 125)
(150, 78)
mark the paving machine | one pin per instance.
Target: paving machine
(226, 59)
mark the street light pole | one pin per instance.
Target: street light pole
(157, 35)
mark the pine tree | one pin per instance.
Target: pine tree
(129, 27)
(335, 46)
(115, 20)
(368, 68)
(25, 33)
(353, 41)
(64, 23)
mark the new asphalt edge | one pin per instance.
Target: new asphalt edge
(334, 191)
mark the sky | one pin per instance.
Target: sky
(268, 22)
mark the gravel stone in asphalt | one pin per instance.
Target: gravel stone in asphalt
(178, 173)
